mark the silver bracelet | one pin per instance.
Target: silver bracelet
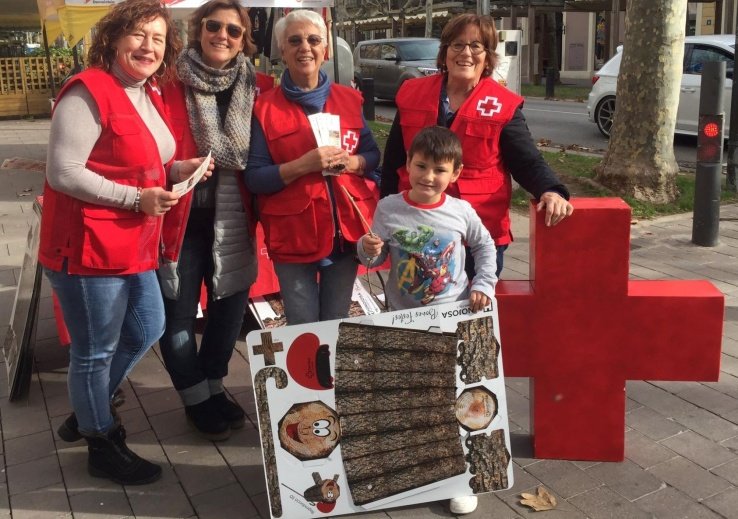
(137, 201)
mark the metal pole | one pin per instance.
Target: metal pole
(48, 64)
(733, 135)
(367, 90)
(550, 81)
(75, 57)
(614, 27)
(335, 45)
(706, 222)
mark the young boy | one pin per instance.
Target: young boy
(424, 231)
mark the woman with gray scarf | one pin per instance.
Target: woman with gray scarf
(208, 239)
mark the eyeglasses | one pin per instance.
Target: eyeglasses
(313, 40)
(475, 47)
(233, 30)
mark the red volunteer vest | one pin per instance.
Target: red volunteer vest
(298, 220)
(175, 221)
(96, 239)
(484, 183)
(264, 82)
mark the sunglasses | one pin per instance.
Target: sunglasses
(214, 26)
(313, 40)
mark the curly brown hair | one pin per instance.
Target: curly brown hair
(195, 24)
(456, 26)
(122, 20)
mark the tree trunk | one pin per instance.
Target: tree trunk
(429, 18)
(552, 44)
(640, 158)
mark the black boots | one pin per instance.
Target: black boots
(208, 421)
(109, 457)
(69, 432)
(215, 417)
(229, 410)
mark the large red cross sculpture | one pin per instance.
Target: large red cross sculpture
(579, 329)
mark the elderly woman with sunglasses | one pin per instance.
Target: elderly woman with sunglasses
(208, 238)
(309, 197)
(488, 120)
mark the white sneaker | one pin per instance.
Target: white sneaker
(463, 505)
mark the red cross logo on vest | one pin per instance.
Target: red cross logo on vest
(350, 141)
(489, 106)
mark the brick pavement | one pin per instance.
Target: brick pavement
(681, 437)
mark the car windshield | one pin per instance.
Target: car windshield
(419, 50)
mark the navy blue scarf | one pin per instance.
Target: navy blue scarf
(312, 101)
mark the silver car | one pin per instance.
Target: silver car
(391, 61)
(697, 51)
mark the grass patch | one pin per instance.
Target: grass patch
(381, 132)
(573, 92)
(577, 172)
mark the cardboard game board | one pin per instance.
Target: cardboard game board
(381, 411)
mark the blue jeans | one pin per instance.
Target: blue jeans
(308, 299)
(112, 321)
(198, 374)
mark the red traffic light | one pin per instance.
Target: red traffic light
(710, 138)
(711, 130)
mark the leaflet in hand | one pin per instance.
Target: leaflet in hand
(184, 187)
(327, 131)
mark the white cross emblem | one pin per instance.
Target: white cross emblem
(489, 106)
(350, 141)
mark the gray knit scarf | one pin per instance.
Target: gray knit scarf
(229, 139)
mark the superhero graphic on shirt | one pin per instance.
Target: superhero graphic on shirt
(426, 265)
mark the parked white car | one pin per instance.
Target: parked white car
(697, 51)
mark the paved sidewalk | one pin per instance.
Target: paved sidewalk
(681, 438)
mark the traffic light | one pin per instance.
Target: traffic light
(710, 138)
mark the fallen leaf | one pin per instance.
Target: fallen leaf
(544, 500)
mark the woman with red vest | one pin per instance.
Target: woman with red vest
(310, 224)
(488, 120)
(108, 167)
(207, 237)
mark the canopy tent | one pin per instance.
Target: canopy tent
(74, 18)
(18, 15)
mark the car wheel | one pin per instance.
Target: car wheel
(604, 114)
